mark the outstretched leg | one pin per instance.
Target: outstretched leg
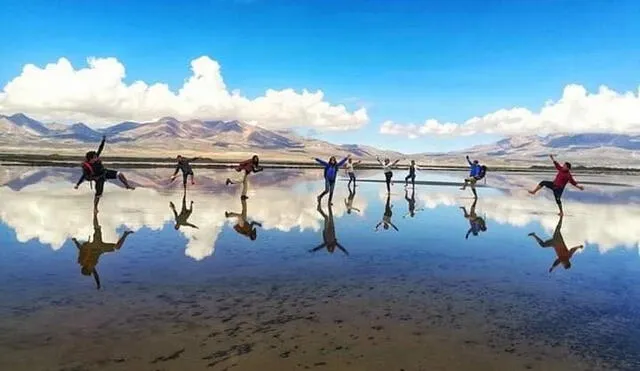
(124, 181)
(544, 183)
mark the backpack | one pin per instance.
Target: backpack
(87, 170)
(483, 172)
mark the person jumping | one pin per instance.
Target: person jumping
(94, 170)
(560, 182)
(387, 165)
(184, 166)
(351, 172)
(330, 174)
(249, 166)
(477, 173)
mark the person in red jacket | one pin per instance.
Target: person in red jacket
(249, 166)
(557, 186)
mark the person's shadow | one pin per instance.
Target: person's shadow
(477, 224)
(557, 242)
(90, 251)
(182, 219)
(386, 217)
(330, 241)
(243, 226)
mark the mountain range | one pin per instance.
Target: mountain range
(22, 134)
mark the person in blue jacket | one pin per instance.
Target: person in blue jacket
(330, 173)
(474, 175)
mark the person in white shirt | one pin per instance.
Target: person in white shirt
(388, 174)
(351, 172)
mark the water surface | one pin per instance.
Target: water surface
(443, 292)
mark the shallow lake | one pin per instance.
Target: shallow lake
(462, 284)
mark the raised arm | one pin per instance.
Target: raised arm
(194, 159)
(469, 161)
(101, 147)
(321, 162)
(554, 265)
(394, 226)
(96, 277)
(343, 161)
(395, 162)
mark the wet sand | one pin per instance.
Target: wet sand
(399, 323)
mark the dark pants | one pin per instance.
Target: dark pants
(329, 185)
(185, 175)
(557, 192)
(352, 178)
(108, 175)
(412, 177)
(387, 177)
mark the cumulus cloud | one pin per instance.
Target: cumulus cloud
(98, 95)
(577, 111)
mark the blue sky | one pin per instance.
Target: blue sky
(406, 61)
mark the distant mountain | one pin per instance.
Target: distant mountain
(235, 139)
(592, 149)
(170, 134)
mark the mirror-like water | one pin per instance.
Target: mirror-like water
(276, 282)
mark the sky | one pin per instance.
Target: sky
(415, 76)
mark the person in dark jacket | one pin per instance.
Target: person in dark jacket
(331, 169)
(184, 165)
(94, 170)
(560, 182)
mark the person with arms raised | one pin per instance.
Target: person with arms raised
(559, 183)
(330, 173)
(94, 170)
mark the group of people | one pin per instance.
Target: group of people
(94, 171)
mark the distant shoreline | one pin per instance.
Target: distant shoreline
(208, 163)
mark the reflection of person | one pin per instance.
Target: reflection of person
(386, 217)
(184, 165)
(387, 165)
(89, 252)
(411, 203)
(476, 223)
(348, 202)
(329, 233)
(330, 174)
(183, 217)
(249, 166)
(557, 242)
(94, 170)
(243, 225)
(560, 182)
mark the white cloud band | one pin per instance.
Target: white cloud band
(577, 111)
(97, 95)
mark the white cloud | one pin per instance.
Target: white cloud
(577, 111)
(97, 95)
